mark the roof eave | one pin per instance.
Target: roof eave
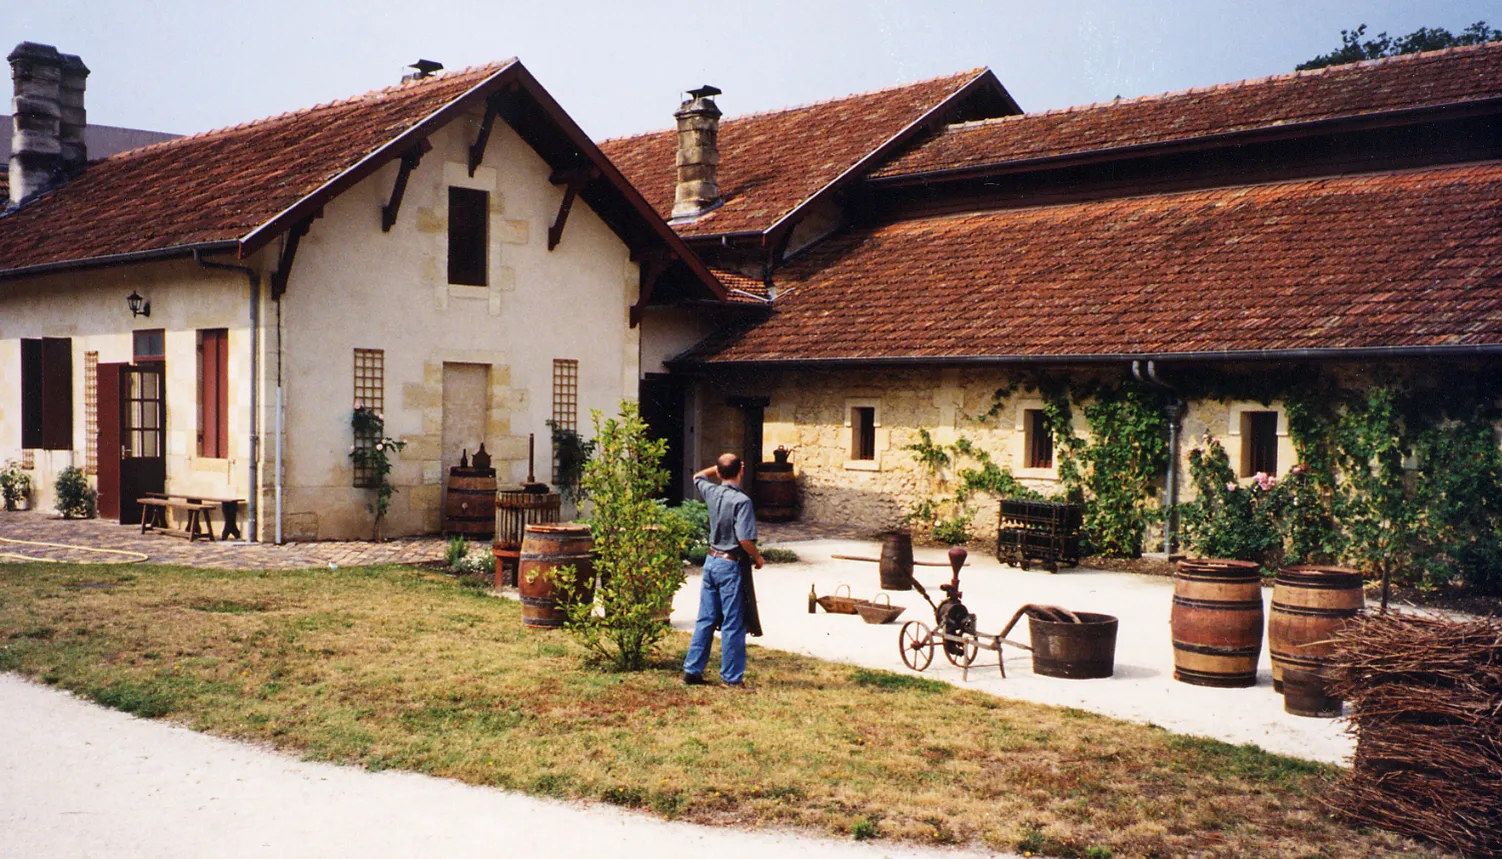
(1480, 350)
(1241, 137)
(132, 257)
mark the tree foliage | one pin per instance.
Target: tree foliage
(1355, 47)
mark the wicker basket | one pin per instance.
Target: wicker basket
(875, 612)
(836, 604)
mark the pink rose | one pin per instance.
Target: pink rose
(1231, 486)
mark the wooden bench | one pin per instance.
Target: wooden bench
(193, 514)
(229, 509)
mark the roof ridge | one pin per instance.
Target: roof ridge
(969, 75)
(371, 95)
(1222, 87)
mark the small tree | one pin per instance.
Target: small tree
(638, 545)
(1354, 49)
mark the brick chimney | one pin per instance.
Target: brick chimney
(698, 155)
(36, 112)
(75, 152)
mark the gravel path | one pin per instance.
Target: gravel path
(77, 780)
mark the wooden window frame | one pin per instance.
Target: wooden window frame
(469, 237)
(1037, 444)
(213, 393)
(138, 354)
(1259, 442)
(863, 433)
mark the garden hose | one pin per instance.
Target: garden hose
(131, 557)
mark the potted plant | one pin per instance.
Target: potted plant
(15, 485)
(75, 498)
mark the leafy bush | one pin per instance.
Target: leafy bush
(947, 516)
(1226, 519)
(571, 452)
(454, 553)
(695, 517)
(15, 484)
(372, 453)
(775, 555)
(638, 545)
(75, 498)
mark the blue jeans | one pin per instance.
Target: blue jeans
(719, 605)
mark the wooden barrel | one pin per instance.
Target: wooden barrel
(515, 509)
(1310, 604)
(545, 547)
(897, 561)
(469, 506)
(1305, 694)
(1216, 623)
(776, 492)
(1078, 651)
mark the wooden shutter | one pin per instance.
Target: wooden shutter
(57, 393)
(213, 393)
(31, 394)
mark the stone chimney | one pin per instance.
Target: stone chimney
(698, 155)
(36, 142)
(75, 152)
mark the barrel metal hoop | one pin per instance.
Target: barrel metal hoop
(1212, 650)
(1308, 611)
(1217, 605)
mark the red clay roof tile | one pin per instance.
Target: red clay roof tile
(219, 185)
(770, 163)
(1415, 80)
(1386, 260)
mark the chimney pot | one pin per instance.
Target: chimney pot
(36, 109)
(698, 157)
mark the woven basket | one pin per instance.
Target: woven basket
(875, 612)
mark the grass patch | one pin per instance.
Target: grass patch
(402, 668)
(775, 555)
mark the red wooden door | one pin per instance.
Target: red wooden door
(109, 441)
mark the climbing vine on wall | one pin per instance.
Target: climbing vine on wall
(955, 475)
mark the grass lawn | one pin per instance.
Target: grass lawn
(400, 668)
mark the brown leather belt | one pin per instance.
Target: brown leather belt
(728, 556)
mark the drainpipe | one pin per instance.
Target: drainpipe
(280, 422)
(252, 507)
(1174, 411)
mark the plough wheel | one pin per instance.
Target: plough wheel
(916, 645)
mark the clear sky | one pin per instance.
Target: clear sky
(619, 67)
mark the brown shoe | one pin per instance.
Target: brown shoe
(693, 679)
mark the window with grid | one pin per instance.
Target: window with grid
(565, 400)
(91, 412)
(370, 393)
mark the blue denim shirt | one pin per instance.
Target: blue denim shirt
(731, 518)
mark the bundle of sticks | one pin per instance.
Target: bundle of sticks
(1427, 699)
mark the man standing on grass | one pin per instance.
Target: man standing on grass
(722, 597)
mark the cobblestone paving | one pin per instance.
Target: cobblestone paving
(45, 527)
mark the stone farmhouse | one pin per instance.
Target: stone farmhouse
(916, 250)
(453, 253)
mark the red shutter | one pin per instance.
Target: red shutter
(31, 394)
(213, 393)
(57, 393)
(221, 378)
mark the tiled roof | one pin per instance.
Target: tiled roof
(1383, 260)
(772, 162)
(1414, 80)
(742, 288)
(221, 185)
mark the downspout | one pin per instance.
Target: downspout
(1174, 412)
(252, 507)
(280, 422)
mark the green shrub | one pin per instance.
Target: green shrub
(695, 517)
(75, 498)
(1226, 519)
(638, 545)
(775, 555)
(454, 553)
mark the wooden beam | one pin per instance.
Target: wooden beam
(575, 178)
(652, 266)
(289, 253)
(477, 151)
(410, 160)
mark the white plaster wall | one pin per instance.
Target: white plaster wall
(668, 331)
(89, 307)
(354, 286)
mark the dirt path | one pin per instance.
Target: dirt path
(77, 780)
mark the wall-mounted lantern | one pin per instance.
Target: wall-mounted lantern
(138, 305)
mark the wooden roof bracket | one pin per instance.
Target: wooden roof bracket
(477, 151)
(777, 245)
(288, 254)
(575, 178)
(410, 160)
(652, 266)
